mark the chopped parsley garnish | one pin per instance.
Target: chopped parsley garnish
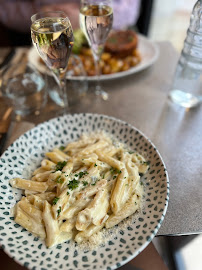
(60, 165)
(67, 192)
(131, 152)
(85, 183)
(73, 184)
(135, 203)
(141, 183)
(103, 176)
(114, 177)
(59, 211)
(55, 200)
(95, 165)
(62, 148)
(93, 184)
(81, 174)
(59, 180)
(114, 170)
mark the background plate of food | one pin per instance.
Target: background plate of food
(57, 173)
(125, 53)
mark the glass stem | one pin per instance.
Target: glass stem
(98, 90)
(97, 71)
(61, 81)
(63, 92)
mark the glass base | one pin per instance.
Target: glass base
(184, 99)
(56, 98)
(100, 92)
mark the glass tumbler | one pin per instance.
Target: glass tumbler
(23, 88)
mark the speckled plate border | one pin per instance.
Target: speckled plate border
(25, 154)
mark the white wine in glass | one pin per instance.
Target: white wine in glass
(96, 18)
(52, 36)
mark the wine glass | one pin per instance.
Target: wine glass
(96, 17)
(52, 35)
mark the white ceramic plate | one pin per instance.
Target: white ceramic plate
(25, 154)
(149, 52)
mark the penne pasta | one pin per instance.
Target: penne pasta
(91, 190)
(129, 208)
(134, 177)
(29, 223)
(47, 165)
(48, 196)
(51, 225)
(141, 163)
(68, 225)
(74, 209)
(91, 148)
(89, 159)
(31, 210)
(55, 157)
(38, 170)
(38, 202)
(93, 183)
(60, 204)
(28, 185)
(79, 144)
(95, 212)
(118, 197)
(29, 192)
(82, 236)
(41, 177)
(65, 177)
(110, 160)
(62, 154)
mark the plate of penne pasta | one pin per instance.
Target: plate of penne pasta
(82, 191)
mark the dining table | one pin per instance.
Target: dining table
(141, 99)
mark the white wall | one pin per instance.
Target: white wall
(170, 21)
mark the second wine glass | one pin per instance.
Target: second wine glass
(52, 36)
(96, 17)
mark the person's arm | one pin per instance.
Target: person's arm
(17, 14)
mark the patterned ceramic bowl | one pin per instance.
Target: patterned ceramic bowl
(25, 154)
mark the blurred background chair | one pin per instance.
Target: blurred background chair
(13, 38)
(144, 20)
